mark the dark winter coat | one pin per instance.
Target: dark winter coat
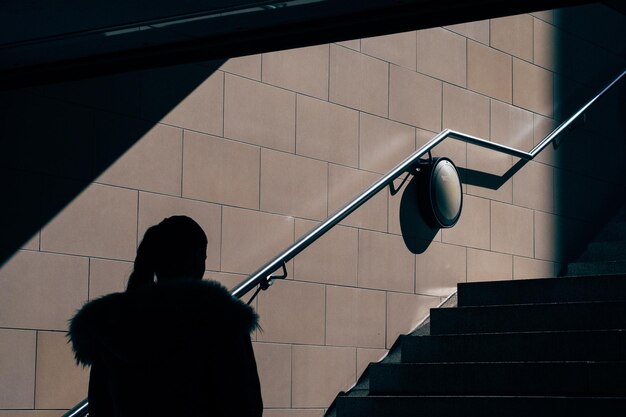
(180, 349)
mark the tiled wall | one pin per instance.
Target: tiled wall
(269, 145)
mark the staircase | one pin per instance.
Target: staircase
(543, 347)
(606, 254)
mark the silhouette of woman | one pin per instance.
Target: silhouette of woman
(172, 344)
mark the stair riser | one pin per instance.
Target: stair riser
(561, 346)
(478, 407)
(528, 318)
(526, 379)
(553, 290)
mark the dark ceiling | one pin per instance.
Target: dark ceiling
(43, 41)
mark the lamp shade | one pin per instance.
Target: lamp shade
(440, 192)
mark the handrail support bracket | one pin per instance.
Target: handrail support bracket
(264, 284)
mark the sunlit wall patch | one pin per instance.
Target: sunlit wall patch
(440, 195)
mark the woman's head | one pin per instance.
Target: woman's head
(173, 249)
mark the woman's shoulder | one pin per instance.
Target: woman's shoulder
(212, 301)
(120, 321)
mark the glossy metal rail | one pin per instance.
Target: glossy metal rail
(263, 275)
(264, 272)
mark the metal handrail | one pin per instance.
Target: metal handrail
(263, 273)
(263, 277)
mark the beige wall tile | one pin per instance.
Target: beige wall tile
(352, 44)
(479, 31)
(246, 66)
(101, 221)
(250, 238)
(495, 165)
(327, 131)
(488, 266)
(489, 71)
(439, 269)
(347, 183)
(533, 187)
(383, 143)
(229, 281)
(274, 367)
(332, 259)
(514, 35)
(456, 150)
(358, 81)
(414, 99)
(545, 45)
(17, 368)
(293, 412)
(154, 208)
(527, 268)
(405, 312)
(203, 109)
(366, 356)
(293, 185)
(27, 300)
(473, 227)
(153, 163)
(320, 372)
(293, 312)
(304, 70)
(543, 126)
(61, 383)
(442, 54)
(532, 87)
(394, 202)
(259, 114)
(385, 262)
(511, 126)
(355, 317)
(545, 15)
(221, 171)
(465, 111)
(511, 229)
(107, 276)
(33, 243)
(546, 236)
(397, 48)
(32, 413)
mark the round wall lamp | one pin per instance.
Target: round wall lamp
(440, 194)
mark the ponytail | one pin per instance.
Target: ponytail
(144, 268)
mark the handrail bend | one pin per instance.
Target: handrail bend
(266, 270)
(263, 274)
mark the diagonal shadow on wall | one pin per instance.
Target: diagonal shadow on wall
(56, 139)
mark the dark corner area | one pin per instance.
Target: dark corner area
(59, 137)
(591, 157)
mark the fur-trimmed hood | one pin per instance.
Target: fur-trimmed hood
(147, 325)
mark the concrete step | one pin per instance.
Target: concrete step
(573, 379)
(548, 290)
(588, 268)
(603, 345)
(483, 406)
(604, 251)
(529, 318)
